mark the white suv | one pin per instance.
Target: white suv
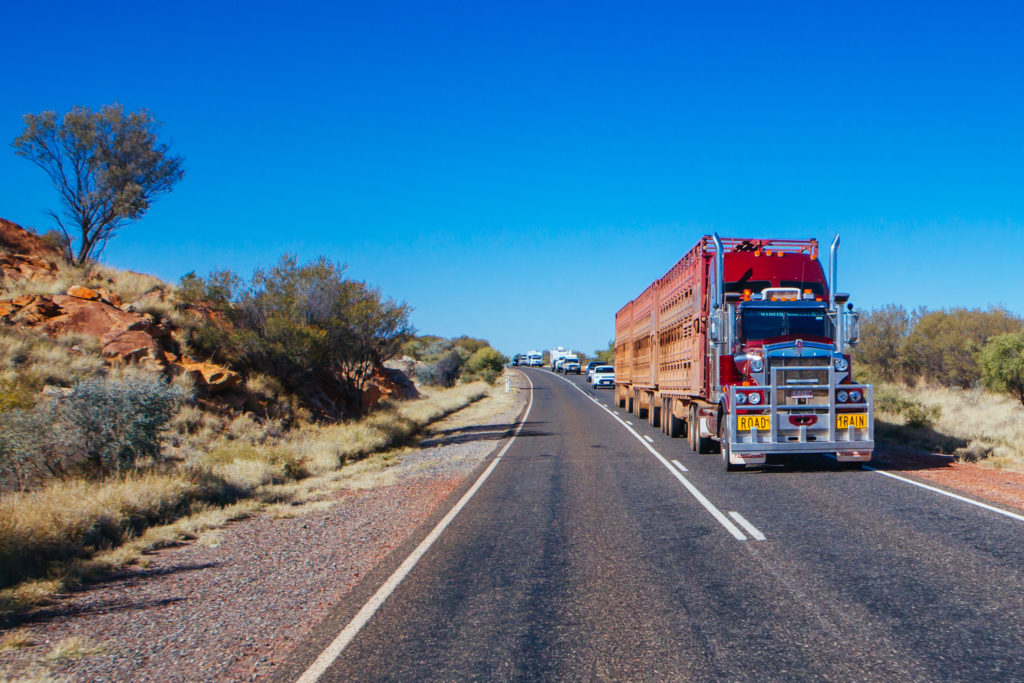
(604, 376)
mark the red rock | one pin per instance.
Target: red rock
(110, 297)
(210, 377)
(83, 293)
(17, 239)
(94, 318)
(26, 255)
(132, 346)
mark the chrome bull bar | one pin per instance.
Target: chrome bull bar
(820, 434)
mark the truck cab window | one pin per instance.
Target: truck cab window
(761, 323)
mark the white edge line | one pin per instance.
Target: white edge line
(334, 650)
(1013, 515)
(708, 505)
(680, 466)
(750, 528)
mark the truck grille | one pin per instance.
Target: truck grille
(796, 372)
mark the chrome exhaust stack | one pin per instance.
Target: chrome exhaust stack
(833, 267)
(719, 272)
(833, 272)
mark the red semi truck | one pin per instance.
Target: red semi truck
(744, 348)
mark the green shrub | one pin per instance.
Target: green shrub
(915, 413)
(16, 395)
(1002, 364)
(294, 321)
(442, 372)
(486, 364)
(103, 426)
(943, 346)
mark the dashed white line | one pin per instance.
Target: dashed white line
(649, 439)
(750, 528)
(680, 466)
(629, 423)
(329, 655)
(708, 505)
(1011, 515)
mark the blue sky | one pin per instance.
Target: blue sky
(519, 171)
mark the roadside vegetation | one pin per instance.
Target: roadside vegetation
(949, 381)
(75, 527)
(442, 362)
(263, 393)
(101, 462)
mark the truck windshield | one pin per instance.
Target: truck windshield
(764, 323)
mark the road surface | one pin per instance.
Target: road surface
(587, 554)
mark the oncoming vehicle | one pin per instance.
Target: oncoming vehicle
(571, 364)
(744, 347)
(535, 359)
(604, 377)
(590, 369)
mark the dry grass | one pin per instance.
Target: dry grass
(77, 529)
(32, 359)
(68, 518)
(73, 647)
(34, 674)
(16, 640)
(127, 284)
(972, 424)
(67, 275)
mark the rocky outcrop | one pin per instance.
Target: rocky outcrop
(128, 336)
(26, 256)
(388, 383)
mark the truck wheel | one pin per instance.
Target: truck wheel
(724, 446)
(700, 444)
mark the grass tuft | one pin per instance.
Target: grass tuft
(16, 640)
(73, 647)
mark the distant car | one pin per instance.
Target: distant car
(571, 365)
(590, 369)
(558, 365)
(604, 376)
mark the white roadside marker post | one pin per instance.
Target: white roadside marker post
(508, 384)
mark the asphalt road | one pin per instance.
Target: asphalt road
(583, 556)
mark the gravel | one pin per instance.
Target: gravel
(235, 611)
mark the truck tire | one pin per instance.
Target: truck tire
(723, 444)
(700, 444)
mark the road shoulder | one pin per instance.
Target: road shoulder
(236, 605)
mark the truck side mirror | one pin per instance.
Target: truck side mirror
(852, 327)
(714, 329)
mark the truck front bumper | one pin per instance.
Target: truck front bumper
(787, 435)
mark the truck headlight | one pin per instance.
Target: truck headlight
(841, 364)
(855, 396)
(755, 398)
(741, 398)
(842, 396)
(756, 365)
